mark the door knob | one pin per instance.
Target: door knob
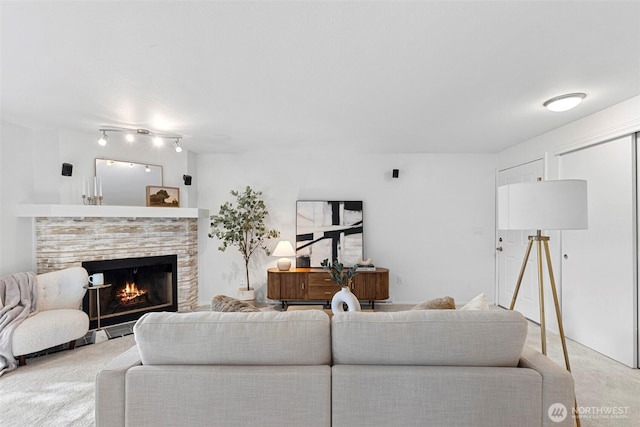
(566, 256)
(499, 249)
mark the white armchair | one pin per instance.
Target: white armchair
(59, 319)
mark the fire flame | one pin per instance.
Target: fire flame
(130, 291)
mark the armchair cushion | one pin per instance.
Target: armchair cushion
(48, 329)
(62, 289)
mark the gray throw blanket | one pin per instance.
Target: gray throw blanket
(18, 293)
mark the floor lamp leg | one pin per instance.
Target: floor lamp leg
(543, 323)
(540, 240)
(560, 324)
(524, 266)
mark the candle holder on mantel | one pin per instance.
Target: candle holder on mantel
(89, 200)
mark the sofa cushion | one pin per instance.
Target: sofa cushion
(213, 338)
(429, 337)
(444, 303)
(478, 303)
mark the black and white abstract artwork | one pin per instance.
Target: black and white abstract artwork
(328, 230)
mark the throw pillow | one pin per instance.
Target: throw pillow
(478, 303)
(225, 303)
(445, 303)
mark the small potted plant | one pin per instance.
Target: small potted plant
(242, 226)
(339, 274)
(343, 277)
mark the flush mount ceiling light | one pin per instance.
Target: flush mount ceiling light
(564, 102)
(157, 137)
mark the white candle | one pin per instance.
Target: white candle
(100, 194)
(95, 186)
(84, 187)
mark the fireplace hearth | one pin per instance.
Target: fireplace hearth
(138, 286)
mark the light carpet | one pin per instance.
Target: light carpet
(57, 389)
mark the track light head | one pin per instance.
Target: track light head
(103, 139)
(177, 146)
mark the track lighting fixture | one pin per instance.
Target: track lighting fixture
(157, 137)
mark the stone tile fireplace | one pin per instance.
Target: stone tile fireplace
(70, 235)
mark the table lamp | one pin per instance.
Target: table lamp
(284, 249)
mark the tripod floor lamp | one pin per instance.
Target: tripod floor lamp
(543, 205)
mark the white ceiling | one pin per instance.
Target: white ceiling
(385, 77)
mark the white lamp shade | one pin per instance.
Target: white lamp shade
(284, 248)
(543, 205)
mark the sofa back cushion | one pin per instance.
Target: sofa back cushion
(213, 338)
(429, 338)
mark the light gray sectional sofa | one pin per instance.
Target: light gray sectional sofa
(412, 368)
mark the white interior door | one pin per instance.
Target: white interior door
(512, 245)
(599, 264)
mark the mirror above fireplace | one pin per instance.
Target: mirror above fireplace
(124, 183)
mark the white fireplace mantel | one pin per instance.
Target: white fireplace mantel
(80, 211)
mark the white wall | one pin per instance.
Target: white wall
(434, 226)
(30, 172)
(17, 175)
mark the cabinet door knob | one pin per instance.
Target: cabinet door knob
(499, 249)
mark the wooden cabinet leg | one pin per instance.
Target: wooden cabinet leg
(22, 360)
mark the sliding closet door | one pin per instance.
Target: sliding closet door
(599, 264)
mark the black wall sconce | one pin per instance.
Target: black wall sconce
(187, 179)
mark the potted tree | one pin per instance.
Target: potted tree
(242, 226)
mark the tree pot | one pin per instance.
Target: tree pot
(246, 295)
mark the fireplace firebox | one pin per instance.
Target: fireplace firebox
(138, 285)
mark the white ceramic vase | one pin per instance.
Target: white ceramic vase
(344, 295)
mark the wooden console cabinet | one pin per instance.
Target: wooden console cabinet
(314, 284)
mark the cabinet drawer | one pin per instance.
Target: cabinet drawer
(325, 292)
(320, 279)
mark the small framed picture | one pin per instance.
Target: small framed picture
(165, 197)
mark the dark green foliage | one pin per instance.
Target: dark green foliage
(338, 273)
